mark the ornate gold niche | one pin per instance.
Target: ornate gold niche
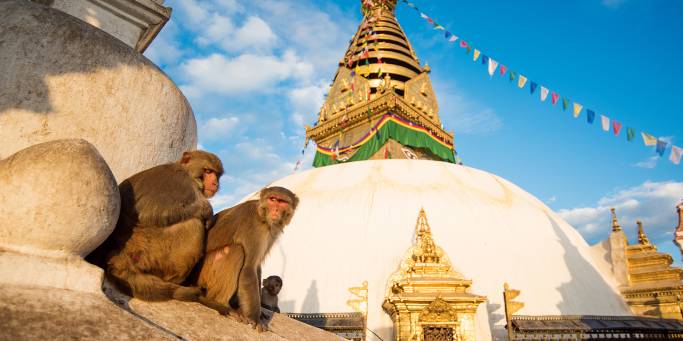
(426, 298)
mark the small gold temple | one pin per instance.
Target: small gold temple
(426, 298)
(648, 282)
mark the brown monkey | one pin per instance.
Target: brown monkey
(236, 247)
(159, 236)
(271, 287)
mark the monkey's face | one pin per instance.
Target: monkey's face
(210, 181)
(274, 287)
(278, 210)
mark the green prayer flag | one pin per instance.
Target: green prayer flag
(630, 134)
(565, 103)
(513, 75)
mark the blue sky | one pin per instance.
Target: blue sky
(256, 71)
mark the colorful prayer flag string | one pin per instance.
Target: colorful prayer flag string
(492, 65)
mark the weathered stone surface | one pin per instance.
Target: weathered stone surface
(58, 201)
(63, 78)
(52, 314)
(196, 322)
(57, 198)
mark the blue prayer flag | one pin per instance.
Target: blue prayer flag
(532, 87)
(484, 60)
(590, 116)
(661, 147)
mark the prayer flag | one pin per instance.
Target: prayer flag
(492, 66)
(424, 16)
(577, 109)
(452, 39)
(447, 34)
(676, 153)
(463, 44)
(532, 87)
(661, 146)
(630, 134)
(484, 59)
(648, 139)
(468, 49)
(430, 20)
(544, 93)
(565, 103)
(513, 75)
(503, 68)
(554, 97)
(521, 81)
(590, 116)
(616, 127)
(605, 122)
(476, 54)
(438, 27)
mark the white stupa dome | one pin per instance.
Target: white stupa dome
(356, 221)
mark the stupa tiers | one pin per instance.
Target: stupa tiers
(381, 103)
(647, 281)
(425, 273)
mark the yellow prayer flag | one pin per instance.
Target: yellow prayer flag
(476, 54)
(648, 139)
(521, 81)
(577, 109)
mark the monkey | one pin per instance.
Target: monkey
(235, 249)
(160, 234)
(271, 287)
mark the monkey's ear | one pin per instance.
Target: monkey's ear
(186, 158)
(265, 282)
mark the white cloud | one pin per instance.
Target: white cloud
(248, 72)
(216, 29)
(652, 202)
(255, 33)
(216, 128)
(306, 101)
(648, 163)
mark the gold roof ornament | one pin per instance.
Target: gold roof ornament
(642, 237)
(615, 223)
(426, 295)
(379, 74)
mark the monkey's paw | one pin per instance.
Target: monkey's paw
(261, 327)
(190, 294)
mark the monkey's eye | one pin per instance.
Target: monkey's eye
(207, 171)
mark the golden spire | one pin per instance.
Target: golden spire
(642, 237)
(424, 240)
(615, 223)
(373, 5)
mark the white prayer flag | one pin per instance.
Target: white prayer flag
(675, 156)
(605, 122)
(452, 39)
(493, 65)
(544, 93)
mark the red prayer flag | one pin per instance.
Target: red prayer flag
(555, 97)
(503, 68)
(616, 126)
(463, 44)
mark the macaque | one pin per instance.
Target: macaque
(160, 234)
(236, 247)
(271, 287)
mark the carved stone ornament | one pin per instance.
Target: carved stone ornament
(438, 311)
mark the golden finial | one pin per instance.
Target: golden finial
(615, 223)
(377, 4)
(424, 240)
(422, 229)
(642, 237)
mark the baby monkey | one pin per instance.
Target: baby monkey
(271, 287)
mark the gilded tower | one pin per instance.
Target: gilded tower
(381, 103)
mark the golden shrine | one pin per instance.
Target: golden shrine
(381, 103)
(426, 298)
(648, 282)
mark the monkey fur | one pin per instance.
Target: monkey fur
(236, 247)
(271, 287)
(160, 234)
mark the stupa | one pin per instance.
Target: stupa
(382, 155)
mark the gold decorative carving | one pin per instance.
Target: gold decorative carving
(359, 304)
(426, 292)
(511, 307)
(615, 223)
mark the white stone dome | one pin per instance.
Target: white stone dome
(356, 221)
